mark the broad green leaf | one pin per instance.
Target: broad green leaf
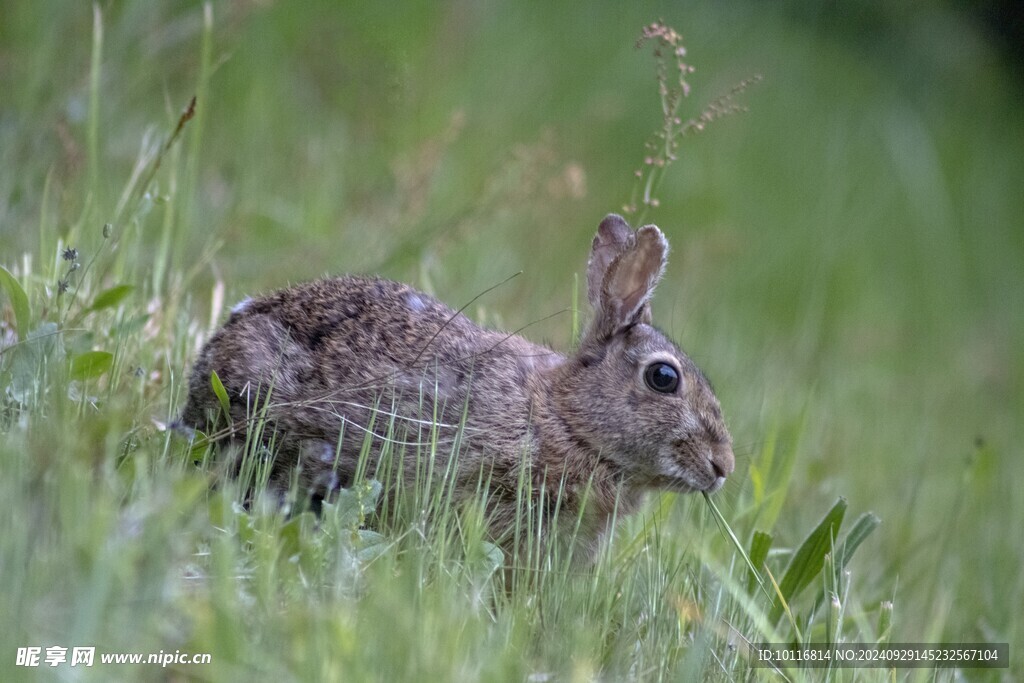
(760, 544)
(91, 364)
(19, 301)
(217, 508)
(290, 534)
(221, 393)
(28, 359)
(352, 505)
(109, 298)
(371, 545)
(810, 556)
(243, 524)
(494, 558)
(197, 441)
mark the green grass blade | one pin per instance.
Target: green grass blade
(19, 302)
(94, 98)
(724, 526)
(575, 308)
(203, 105)
(760, 544)
(782, 606)
(884, 622)
(779, 473)
(222, 395)
(862, 528)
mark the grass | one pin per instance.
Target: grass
(847, 266)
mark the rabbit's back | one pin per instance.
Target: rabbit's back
(351, 356)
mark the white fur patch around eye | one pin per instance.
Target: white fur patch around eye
(662, 357)
(241, 305)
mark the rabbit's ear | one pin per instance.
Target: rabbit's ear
(614, 236)
(630, 281)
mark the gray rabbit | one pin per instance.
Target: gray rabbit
(336, 363)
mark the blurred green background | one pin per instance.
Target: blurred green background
(848, 256)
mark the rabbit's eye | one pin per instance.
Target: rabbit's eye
(661, 377)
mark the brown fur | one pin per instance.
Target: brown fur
(586, 425)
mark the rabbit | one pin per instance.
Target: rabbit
(339, 361)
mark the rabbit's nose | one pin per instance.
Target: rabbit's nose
(722, 460)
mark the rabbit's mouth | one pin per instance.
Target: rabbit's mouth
(716, 485)
(678, 485)
(678, 478)
(674, 485)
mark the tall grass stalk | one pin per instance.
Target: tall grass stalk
(95, 85)
(193, 162)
